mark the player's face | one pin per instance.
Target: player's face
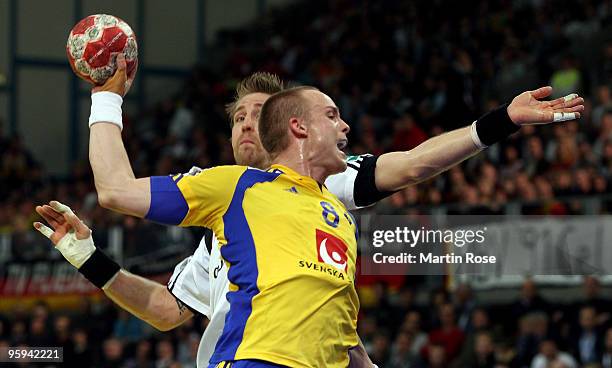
(246, 144)
(326, 133)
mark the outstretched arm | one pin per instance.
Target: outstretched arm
(117, 187)
(397, 170)
(148, 300)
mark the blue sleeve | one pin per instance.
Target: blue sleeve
(168, 205)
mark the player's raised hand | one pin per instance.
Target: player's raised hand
(120, 83)
(62, 219)
(69, 234)
(527, 109)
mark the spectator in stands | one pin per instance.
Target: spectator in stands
(38, 335)
(401, 353)
(187, 355)
(549, 354)
(535, 161)
(62, 329)
(41, 310)
(412, 326)
(406, 134)
(529, 301)
(505, 355)
(143, 356)
(603, 102)
(435, 357)
(19, 332)
(165, 354)
(512, 163)
(533, 329)
(465, 303)
(82, 355)
(448, 334)
(4, 344)
(15, 164)
(567, 78)
(479, 323)
(604, 134)
(588, 340)
(606, 359)
(382, 310)
(482, 355)
(437, 298)
(591, 290)
(403, 303)
(112, 354)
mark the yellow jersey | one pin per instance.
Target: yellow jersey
(290, 247)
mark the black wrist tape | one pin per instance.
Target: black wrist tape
(495, 126)
(99, 268)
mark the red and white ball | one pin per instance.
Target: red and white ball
(95, 42)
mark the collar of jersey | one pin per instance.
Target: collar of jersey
(304, 180)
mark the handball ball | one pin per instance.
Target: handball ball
(95, 42)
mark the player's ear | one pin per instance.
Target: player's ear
(298, 127)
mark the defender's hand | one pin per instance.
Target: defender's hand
(70, 235)
(526, 109)
(120, 83)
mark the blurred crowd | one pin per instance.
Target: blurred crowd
(398, 329)
(401, 72)
(455, 330)
(101, 336)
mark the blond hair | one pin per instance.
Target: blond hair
(258, 82)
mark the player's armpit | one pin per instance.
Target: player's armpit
(358, 357)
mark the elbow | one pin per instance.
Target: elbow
(108, 199)
(162, 315)
(162, 326)
(160, 321)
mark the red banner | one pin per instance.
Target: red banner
(42, 279)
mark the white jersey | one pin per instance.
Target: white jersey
(201, 282)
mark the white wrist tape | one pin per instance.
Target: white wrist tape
(106, 108)
(74, 250)
(477, 142)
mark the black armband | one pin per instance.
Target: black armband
(495, 126)
(365, 191)
(99, 268)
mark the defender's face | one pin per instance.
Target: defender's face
(247, 147)
(326, 132)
